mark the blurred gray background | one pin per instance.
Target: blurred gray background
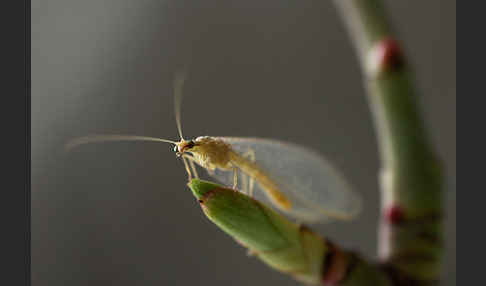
(120, 213)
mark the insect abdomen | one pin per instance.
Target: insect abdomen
(271, 188)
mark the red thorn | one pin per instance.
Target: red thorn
(394, 215)
(336, 266)
(202, 205)
(391, 54)
(387, 55)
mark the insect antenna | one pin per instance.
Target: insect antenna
(178, 84)
(104, 138)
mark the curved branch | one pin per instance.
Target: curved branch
(411, 182)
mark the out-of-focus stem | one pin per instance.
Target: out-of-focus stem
(411, 225)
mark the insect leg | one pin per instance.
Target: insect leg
(210, 172)
(193, 166)
(252, 185)
(235, 177)
(250, 153)
(244, 182)
(187, 168)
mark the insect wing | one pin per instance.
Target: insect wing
(317, 191)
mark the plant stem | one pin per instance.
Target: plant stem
(281, 244)
(411, 183)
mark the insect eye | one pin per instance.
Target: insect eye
(175, 149)
(190, 144)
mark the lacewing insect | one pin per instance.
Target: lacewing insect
(296, 180)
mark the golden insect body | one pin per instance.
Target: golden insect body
(213, 153)
(208, 152)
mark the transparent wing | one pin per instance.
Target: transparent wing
(318, 192)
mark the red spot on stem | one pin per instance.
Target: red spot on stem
(335, 266)
(394, 215)
(387, 55)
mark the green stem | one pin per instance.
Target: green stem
(281, 244)
(411, 182)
